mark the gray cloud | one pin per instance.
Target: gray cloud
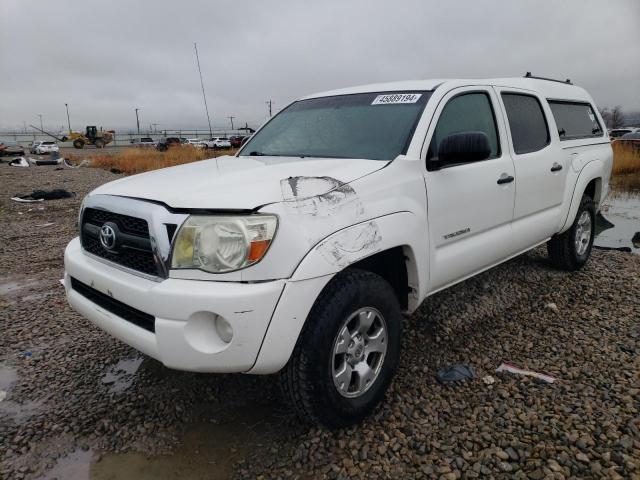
(107, 58)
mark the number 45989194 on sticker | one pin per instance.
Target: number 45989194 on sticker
(396, 98)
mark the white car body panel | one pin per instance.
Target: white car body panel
(240, 183)
(449, 224)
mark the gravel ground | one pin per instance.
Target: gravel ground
(79, 401)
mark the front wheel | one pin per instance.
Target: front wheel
(571, 249)
(347, 352)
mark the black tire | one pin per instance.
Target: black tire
(307, 379)
(77, 143)
(562, 248)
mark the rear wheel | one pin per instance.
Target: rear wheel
(347, 352)
(77, 143)
(571, 249)
(99, 143)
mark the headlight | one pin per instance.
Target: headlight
(223, 243)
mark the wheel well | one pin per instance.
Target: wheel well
(593, 189)
(392, 266)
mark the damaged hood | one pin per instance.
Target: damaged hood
(241, 183)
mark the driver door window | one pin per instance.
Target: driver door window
(469, 112)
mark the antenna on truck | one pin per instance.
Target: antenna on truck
(528, 75)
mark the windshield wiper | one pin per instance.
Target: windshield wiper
(257, 154)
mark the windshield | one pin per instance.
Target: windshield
(376, 126)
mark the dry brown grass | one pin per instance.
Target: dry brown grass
(137, 160)
(626, 158)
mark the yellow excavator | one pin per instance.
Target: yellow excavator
(92, 136)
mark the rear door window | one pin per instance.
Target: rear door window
(527, 123)
(575, 120)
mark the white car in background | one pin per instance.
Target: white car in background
(196, 142)
(219, 142)
(214, 143)
(41, 148)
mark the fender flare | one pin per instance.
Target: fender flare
(347, 246)
(330, 256)
(589, 172)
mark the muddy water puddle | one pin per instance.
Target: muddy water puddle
(619, 225)
(208, 450)
(13, 409)
(76, 465)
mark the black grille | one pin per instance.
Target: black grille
(122, 310)
(133, 249)
(132, 225)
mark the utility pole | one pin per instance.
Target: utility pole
(155, 127)
(41, 127)
(270, 103)
(68, 121)
(206, 108)
(138, 121)
(231, 117)
(24, 124)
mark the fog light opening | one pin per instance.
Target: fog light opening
(224, 329)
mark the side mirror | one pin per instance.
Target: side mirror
(463, 147)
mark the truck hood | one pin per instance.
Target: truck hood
(240, 183)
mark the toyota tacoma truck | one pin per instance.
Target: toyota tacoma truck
(301, 253)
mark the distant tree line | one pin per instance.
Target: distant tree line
(613, 118)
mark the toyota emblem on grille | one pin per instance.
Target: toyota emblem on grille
(108, 237)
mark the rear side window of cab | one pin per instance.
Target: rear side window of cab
(575, 120)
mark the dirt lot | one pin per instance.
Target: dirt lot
(75, 403)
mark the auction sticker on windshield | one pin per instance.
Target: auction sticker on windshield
(396, 98)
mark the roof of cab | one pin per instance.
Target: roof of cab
(547, 88)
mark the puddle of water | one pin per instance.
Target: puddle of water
(19, 412)
(76, 466)
(12, 286)
(622, 211)
(8, 376)
(8, 406)
(209, 450)
(122, 374)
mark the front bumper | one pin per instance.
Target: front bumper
(185, 311)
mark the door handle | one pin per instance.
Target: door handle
(556, 167)
(504, 178)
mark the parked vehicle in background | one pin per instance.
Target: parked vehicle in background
(41, 148)
(143, 142)
(632, 138)
(348, 208)
(167, 142)
(10, 147)
(619, 132)
(196, 142)
(218, 143)
(236, 140)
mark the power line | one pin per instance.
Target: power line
(195, 46)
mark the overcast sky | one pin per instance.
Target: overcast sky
(105, 58)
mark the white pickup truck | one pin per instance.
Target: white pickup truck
(300, 254)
